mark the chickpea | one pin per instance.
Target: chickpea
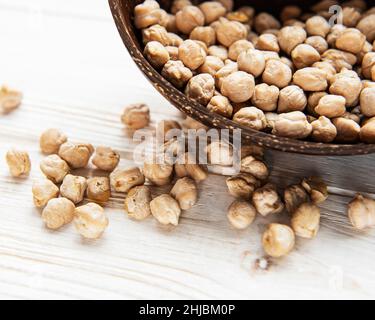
(228, 32)
(291, 98)
(306, 220)
(347, 130)
(239, 47)
(270, 55)
(367, 133)
(327, 67)
(188, 18)
(212, 10)
(58, 212)
(368, 84)
(351, 40)
(317, 26)
(268, 42)
(323, 5)
(176, 73)
(361, 212)
(313, 101)
(367, 47)
(98, 189)
(311, 79)
(18, 163)
(156, 54)
(290, 12)
(191, 54)
(367, 64)
(180, 170)
(137, 203)
(185, 192)
(331, 106)
(73, 188)
(193, 169)
(277, 73)
(221, 105)
(339, 59)
(241, 214)
(252, 61)
(316, 188)
(251, 117)
(149, 13)
(9, 100)
(174, 40)
(106, 158)
(238, 16)
(201, 88)
(228, 4)
(265, 97)
(304, 56)
(220, 153)
(204, 34)
(294, 196)
(178, 5)
(166, 210)
(278, 240)
(367, 102)
(77, 155)
(156, 33)
(294, 23)
(211, 65)
(292, 125)
(271, 118)
(157, 171)
(171, 25)
(51, 140)
(54, 168)
(249, 11)
(238, 86)
(43, 191)
(367, 26)
(122, 180)
(291, 37)
(252, 150)
(136, 116)
(347, 84)
(254, 167)
(265, 21)
(323, 130)
(318, 43)
(218, 51)
(288, 62)
(335, 32)
(225, 71)
(242, 185)
(360, 5)
(267, 201)
(90, 221)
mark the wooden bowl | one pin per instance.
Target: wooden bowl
(122, 11)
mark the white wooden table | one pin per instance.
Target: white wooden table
(67, 58)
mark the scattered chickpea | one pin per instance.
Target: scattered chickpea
(77, 155)
(137, 203)
(73, 188)
(54, 168)
(252, 61)
(159, 174)
(306, 221)
(317, 26)
(238, 86)
(188, 18)
(291, 98)
(267, 201)
(347, 130)
(251, 117)
(254, 167)
(18, 163)
(136, 116)
(221, 105)
(167, 129)
(9, 99)
(185, 192)
(201, 88)
(149, 13)
(228, 32)
(277, 73)
(290, 37)
(292, 125)
(241, 214)
(166, 210)
(212, 10)
(122, 180)
(90, 221)
(242, 185)
(311, 79)
(51, 140)
(193, 169)
(361, 212)
(331, 106)
(106, 158)
(294, 196)
(220, 153)
(58, 212)
(323, 130)
(156, 54)
(278, 240)
(316, 188)
(98, 189)
(43, 191)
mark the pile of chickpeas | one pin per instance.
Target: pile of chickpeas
(295, 76)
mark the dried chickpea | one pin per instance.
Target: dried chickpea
(176, 73)
(291, 98)
(228, 4)
(294, 196)
(367, 102)
(212, 10)
(290, 37)
(317, 26)
(367, 64)
(294, 23)
(73, 188)
(241, 214)
(347, 130)
(174, 40)
(264, 21)
(288, 62)
(122, 180)
(178, 5)
(171, 25)
(77, 155)
(347, 84)
(242, 185)
(193, 169)
(238, 16)
(361, 212)
(339, 59)
(290, 12)
(54, 168)
(185, 192)
(323, 130)
(228, 32)
(268, 42)
(360, 5)
(351, 40)
(157, 171)
(225, 71)
(43, 191)
(311, 79)
(149, 13)
(318, 43)
(254, 167)
(278, 240)
(251, 117)
(252, 150)
(106, 158)
(316, 188)
(220, 153)
(334, 33)
(323, 5)
(238, 47)
(249, 11)
(204, 34)
(58, 212)
(252, 61)
(238, 86)
(327, 67)
(136, 116)
(367, 47)
(18, 163)
(267, 201)
(51, 140)
(306, 221)
(188, 18)
(277, 73)
(191, 54)
(211, 65)
(201, 88)
(156, 54)
(221, 105)
(9, 99)
(304, 56)
(331, 106)
(218, 51)
(166, 210)
(292, 125)
(156, 33)
(137, 203)
(367, 133)
(98, 189)
(180, 170)
(90, 221)
(367, 27)
(265, 97)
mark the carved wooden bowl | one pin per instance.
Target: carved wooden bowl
(122, 11)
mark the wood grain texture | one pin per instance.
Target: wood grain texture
(70, 63)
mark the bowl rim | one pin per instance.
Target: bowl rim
(200, 113)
